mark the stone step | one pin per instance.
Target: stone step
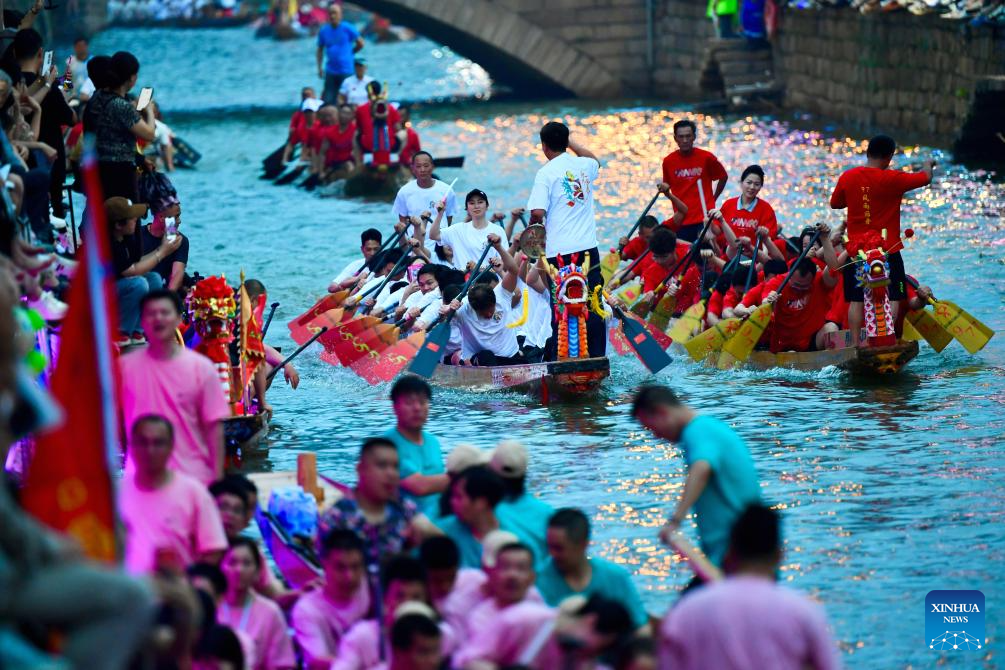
(746, 54)
(745, 67)
(746, 79)
(763, 89)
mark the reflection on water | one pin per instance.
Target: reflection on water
(889, 490)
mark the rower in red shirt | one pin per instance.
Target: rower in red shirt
(378, 120)
(337, 145)
(872, 194)
(687, 169)
(746, 213)
(665, 250)
(300, 124)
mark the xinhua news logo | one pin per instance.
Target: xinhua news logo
(954, 620)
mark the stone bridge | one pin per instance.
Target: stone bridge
(589, 48)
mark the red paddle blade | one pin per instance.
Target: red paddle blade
(391, 361)
(661, 337)
(618, 340)
(362, 338)
(347, 330)
(301, 333)
(300, 326)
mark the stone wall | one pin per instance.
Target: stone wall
(682, 34)
(886, 72)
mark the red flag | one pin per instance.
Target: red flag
(69, 484)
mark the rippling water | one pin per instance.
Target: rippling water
(889, 490)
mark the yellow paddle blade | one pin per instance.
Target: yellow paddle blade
(712, 339)
(910, 334)
(967, 330)
(609, 265)
(630, 293)
(663, 312)
(740, 345)
(688, 322)
(925, 326)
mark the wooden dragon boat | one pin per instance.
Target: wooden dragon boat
(864, 361)
(375, 183)
(574, 377)
(242, 436)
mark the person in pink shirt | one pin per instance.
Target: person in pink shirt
(167, 379)
(320, 618)
(416, 643)
(453, 590)
(186, 526)
(747, 620)
(532, 635)
(367, 644)
(510, 580)
(258, 621)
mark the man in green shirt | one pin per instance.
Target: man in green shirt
(721, 479)
(568, 571)
(420, 456)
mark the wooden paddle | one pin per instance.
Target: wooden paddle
(966, 328)
(272, 165)
(712, 339)
(666, 303)
(302, 327)
(738, 347)
(702, 567)
(296, 353)
(609, 263)
(646, 348)
(291, 175)
(428, 357)
(692, 317)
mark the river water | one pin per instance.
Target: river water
(888, 490)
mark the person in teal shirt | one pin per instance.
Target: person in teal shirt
(519, 511)
(721, 478)
(474, 495)
(423, 476)
(568, 571)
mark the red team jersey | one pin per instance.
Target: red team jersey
(339, 143)
(745, 223)
(364, 123)
(684, 172)
(798, 316)
(873, 197)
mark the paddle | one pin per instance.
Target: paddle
(966, 328)
(301, 328)
(609, 263)
(712, 338)
(692, 316)
(291, 175)
(450, 162)
(428, 357)
(272, 165)
(296, 353)
(268, 320)
(646, 348)
(665, 303)
(739, 346)
(387, 278)
(702, 567)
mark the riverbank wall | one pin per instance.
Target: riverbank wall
(919, 77)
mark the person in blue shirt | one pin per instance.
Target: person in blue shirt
(520, 510)
(423, 476)
(474, 495)
(721, 478)
(568, 571)
(338, 40)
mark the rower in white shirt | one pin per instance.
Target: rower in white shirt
(562, 199)
(422, 194)
(353, 88)
(468, 238)
(484, 316)
(370, 242)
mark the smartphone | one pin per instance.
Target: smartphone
(170, 228)
(146, 95)
(46, 63)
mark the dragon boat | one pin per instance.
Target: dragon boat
(573, 377)
(839, 352)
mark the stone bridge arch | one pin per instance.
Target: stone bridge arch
(498, 37)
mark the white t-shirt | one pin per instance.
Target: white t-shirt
(537, 328)
(468, 241)
(564, 189)
(478, 334)
(349, 270)
(354, 89)
(413, 201)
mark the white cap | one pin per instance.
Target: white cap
(414, 607)
(492, 543)
(310, 105)
(463, 457)
(509, 459)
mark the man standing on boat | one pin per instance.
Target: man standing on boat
(721, 479)
(872, 194)
(562, 199)
(422, 195)
(688, 173)
(339, 41)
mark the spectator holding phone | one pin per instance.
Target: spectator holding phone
(157, 191)
(117, 125)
